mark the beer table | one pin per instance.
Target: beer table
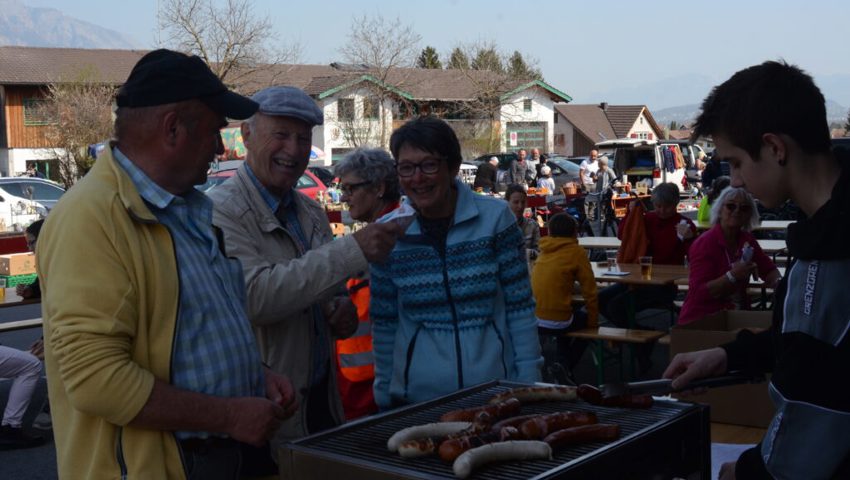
(12, 299)
(607, 243)
(630, 275)
(767, 225)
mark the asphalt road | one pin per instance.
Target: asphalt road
(34, 463)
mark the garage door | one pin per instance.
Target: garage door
(526, 135)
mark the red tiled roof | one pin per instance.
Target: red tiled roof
(589, 120)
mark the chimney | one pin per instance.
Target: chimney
(604, 106)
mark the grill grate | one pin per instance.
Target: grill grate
(364, 442)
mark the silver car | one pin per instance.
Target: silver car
(43, 191)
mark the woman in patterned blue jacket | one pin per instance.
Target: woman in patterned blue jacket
(452, 306)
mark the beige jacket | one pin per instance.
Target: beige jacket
(282, 282)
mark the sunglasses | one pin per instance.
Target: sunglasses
(744, 208)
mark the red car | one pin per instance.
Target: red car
(308, 184)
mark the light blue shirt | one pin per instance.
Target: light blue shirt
(214, 349)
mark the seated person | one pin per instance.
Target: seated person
(563, 262)
(717, 186)
(668, 236)
(719, 274)
(32, 290)
(544, 180)
(516, 197)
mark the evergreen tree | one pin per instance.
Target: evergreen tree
(488, 59)
(429, 59)
(674, 125)
(519, 69)
(458, 60)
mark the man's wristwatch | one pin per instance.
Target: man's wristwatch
(731, 277)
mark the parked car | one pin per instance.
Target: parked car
(640, 159)
(16, 212)
(309, 184)
(43, 191)
(563, 171)
(326, 175)
(505, 159)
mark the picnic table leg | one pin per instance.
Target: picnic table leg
(631, 315)
(600, 364)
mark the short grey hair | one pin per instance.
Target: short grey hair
(603, 160)
(730, 193)
(666, 194)
(373, 165)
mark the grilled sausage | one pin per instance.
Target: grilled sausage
(500, 452)
(513, 421)
(601, 432)
(451, 449)
(422, 431)
(554, 393)
(591, 394)
(427, 446)
(508, 408)
(538, 427)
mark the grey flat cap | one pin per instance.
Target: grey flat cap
(289, 102)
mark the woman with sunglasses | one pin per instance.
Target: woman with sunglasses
(369, 185)
(719, 268)
(452, 306)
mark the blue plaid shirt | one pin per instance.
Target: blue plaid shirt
(288, 214)
(215, 351)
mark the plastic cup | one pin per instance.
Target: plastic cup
(646, 267)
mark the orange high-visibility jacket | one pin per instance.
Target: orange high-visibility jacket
(356, 361)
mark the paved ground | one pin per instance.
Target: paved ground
(35, 463)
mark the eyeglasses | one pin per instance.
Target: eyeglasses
(738, 206)
(428, 167)
(347, 190)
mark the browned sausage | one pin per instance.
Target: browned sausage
(554, 393)
(591, 394)
(508, 408)
(538, 427)
(451, 449)
(427, 446)
(513, 421)
(601, 432)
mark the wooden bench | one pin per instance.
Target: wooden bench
(20, 325)
(614, 335)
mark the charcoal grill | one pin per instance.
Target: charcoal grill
(670, 440)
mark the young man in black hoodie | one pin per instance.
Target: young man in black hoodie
(769, 122)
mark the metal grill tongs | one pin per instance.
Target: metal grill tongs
(664, 386)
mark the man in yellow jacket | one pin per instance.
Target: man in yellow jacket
(562, 263)
(153, 371)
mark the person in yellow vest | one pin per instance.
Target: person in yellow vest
(561, 264)
(369, 185)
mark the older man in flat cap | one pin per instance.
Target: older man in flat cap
(152, 367)
(294, 270)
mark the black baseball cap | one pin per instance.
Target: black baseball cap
(165, 76)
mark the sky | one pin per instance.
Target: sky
(659, 53)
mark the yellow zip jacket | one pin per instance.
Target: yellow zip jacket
(109, 286)
(561, 263)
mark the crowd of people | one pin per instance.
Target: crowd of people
(212, 329)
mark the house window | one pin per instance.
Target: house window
(370, 109)
(643, 136)
(345, 109)
(37, 111)
(526, 105)
(556, 117)
(559, 140)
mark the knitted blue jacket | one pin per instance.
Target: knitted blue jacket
(446, 319)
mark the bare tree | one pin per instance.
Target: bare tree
(77, 113)
(232, 39)
(385, 47)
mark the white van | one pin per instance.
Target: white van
(664, 161)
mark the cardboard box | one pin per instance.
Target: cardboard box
(741, 404)
(17, 264)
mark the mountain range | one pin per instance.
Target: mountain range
(835, 113)
(47, 27)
